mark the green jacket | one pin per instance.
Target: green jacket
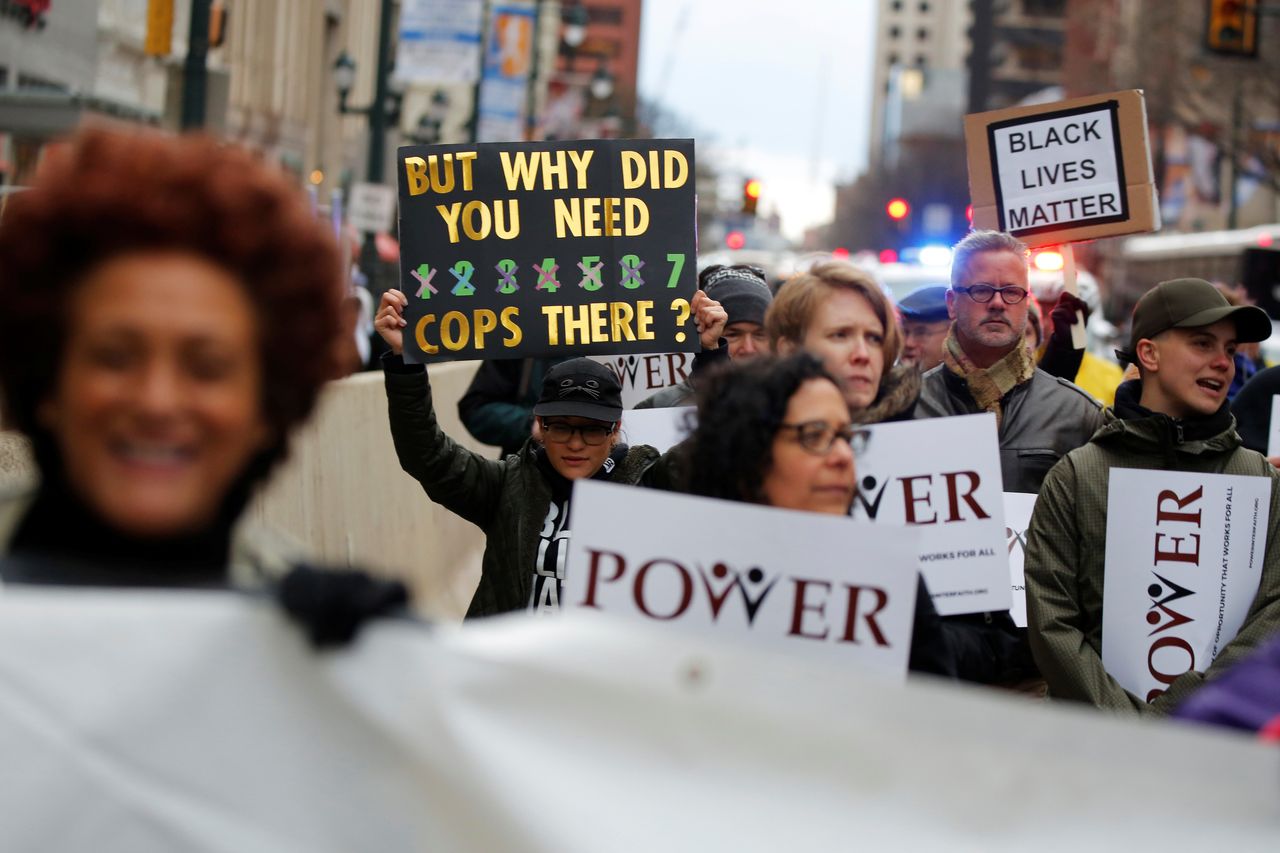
(1066, 548)
(508, 499)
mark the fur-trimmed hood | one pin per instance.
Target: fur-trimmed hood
(896, 401)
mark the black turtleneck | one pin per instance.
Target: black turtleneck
(62, 541)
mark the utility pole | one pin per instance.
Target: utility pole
(377, 117)
(981, 38)
(195, 72)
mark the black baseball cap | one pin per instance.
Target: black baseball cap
(580, 388)
(1189, 303)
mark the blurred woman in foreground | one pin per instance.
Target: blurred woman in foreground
(170, 307)
(778, 432)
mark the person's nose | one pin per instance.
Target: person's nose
(1222, 360)
(840, 455)
(159, 389)
(576, 441)
(748, 346)
(859, 351)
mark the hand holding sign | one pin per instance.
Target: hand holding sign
(710, 318)
(390, 320)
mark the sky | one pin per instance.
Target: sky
(772, 89)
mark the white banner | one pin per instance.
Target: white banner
(941, 476)
(1184, 557)
(734, 570)
(229, 735)
(660, 428)
(1060, 169)
(1018, 507)
(439, 41)
(642, 375)
(372, 207)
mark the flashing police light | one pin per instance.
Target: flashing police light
(1050, 260)
(888, 256)
(897, 209)
(735, 239)
(934, 256)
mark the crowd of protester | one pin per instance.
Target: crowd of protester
(142, 353)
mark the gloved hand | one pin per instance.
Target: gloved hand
(332, 605)
(1060, 357)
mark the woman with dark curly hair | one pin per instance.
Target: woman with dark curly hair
(777, 431)
(170, 306)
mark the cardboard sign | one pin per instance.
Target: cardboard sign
(1273, 430)
(641, 376)
(942, 477)
(547, 249)
(1018, 507)
(1184, 557)
(372, 207)
(734, 570)
(660, 428)
(1071, 170)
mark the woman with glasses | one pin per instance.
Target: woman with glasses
(837, 312)
(521, 502)
(778, 432)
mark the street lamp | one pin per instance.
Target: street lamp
(431, 121)
(601, 85)
(344, 78)
(574, 19)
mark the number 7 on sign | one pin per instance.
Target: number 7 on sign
(677, 261)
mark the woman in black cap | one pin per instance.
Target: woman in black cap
(521, 502)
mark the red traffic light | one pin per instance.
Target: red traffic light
(897, 208)
(751, 189)
(735, 240)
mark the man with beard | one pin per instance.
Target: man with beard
(986, 368)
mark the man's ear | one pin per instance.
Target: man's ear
(951, 304)
(1148, 354)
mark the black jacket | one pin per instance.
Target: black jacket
(1044, 419)
(508, 499)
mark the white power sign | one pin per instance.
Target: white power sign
(1059, 169)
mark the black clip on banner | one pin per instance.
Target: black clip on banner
(523, 249)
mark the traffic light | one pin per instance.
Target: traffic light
(898, 209)
(735, 240)
(750, 196)
(1232, 27)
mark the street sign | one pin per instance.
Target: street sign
(439, 41)
(371, 207)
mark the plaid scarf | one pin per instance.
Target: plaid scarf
(988, 386)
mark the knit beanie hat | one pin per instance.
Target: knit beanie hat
(741, 290)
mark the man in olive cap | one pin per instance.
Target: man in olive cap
(1174, 417)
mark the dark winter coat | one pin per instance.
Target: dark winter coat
(508, 499)
(1066, 551)
(1043, 419)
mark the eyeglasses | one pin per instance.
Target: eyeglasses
(818, 436)
(560, 433)
(983, 293)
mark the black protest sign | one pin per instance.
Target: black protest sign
(547, 248)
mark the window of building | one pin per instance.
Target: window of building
(1045, 8)
(604, 15)
(894, 32)
(924, 7)
(922, 61)
(893, 59)
(922, 34)
(897, 5)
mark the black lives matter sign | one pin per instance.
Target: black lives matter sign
(1058, 170)
(547, 249)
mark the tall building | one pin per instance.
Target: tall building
(1016, 51)
(914, 39)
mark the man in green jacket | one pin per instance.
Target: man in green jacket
(1175, 417)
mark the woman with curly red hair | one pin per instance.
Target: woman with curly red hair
(169, 310)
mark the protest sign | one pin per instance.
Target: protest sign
(232, 735)
(942, 477)
(372, 207)
(643, 375)
(662, 428)
(1273, 429)
(734, 570)
(439, 41)
(1018, 507)
(1184, 557)
(1070, 170)
(547, 249)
